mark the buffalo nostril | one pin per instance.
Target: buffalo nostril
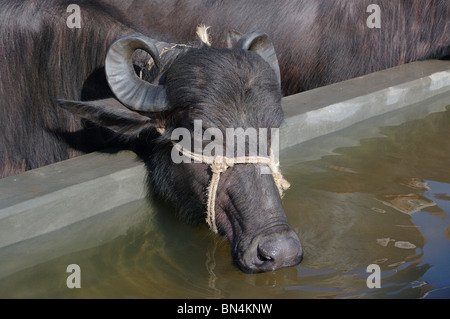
(262, 255)
(277, 251)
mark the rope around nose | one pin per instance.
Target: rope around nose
(220, 164)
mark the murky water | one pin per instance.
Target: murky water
(376, 193)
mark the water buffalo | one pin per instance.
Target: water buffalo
(318, 42)
(53, 75)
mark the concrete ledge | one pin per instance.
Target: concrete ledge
(328, 109)
(47, 199)
(52, 197)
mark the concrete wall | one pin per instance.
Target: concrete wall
(328, 109)
(50, 198)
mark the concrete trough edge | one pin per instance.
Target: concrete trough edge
(60, 208)
(374, 94)
(44, 200)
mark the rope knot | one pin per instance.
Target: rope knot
(221, 164)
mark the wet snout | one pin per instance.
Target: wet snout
(255, 222)
(272, 251)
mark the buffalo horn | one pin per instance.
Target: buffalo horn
(259, 42)
(129, 89)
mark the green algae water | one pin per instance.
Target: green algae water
(375, 193)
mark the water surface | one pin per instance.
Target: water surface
(376, 193)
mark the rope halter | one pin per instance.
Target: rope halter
(219, 164)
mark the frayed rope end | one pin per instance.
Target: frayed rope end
(202, 33)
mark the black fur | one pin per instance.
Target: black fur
(42, 59)
(317, 42)
(224, 88)
(246, 94)
(44, 63)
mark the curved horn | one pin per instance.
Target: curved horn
(259, 42)
(129, 89)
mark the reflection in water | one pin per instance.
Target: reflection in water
(210, 265)
(384, 201)
(408, 204)
(348, 204)
(414, 183)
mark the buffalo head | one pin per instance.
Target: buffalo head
(220, 89)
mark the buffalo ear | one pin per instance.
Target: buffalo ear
(111, 114)
(256, 41)
(259, 42)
